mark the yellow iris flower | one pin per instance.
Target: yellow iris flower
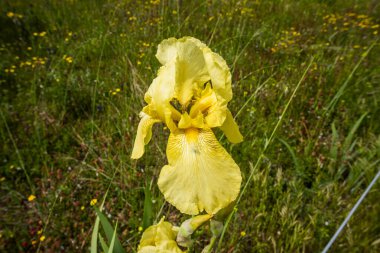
(190, 95)
(159, 238)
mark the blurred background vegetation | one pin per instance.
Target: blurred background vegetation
(72, 79)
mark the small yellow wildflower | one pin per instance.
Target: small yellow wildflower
(68, 59)
(35, 34)
(42, 238)
(10, 14)
(31, 198)
(243, 233)
(118, 90)
(29, 48)
(40, 231)
(34, 242)
(113, 93)
(82, 208)
(140, 229)
(42, 34)
(93, 202)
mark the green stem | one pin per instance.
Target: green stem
(18, 153)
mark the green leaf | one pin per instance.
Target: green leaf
(350, 136)
(109, 231)
(112, 244)
(94, 237)
(148, 214)
(103, 243)
(95, 232)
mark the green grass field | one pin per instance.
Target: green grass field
(72, 79)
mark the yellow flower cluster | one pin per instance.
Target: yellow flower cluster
(68, 37)
(68, 59)
(40, 34)
(93, 202)
(349, 21)
(34, 62)
(31, 63)
(143, 48)
(115, 91)
(10, 70)
(14, 15)
(31, 198)
(288, 39)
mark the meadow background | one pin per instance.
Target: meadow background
(72, 79)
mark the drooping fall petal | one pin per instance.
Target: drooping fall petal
(144, 134)
(231, 129)
(201, 175)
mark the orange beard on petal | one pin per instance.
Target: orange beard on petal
(191, 134)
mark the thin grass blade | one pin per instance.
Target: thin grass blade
(108, 230)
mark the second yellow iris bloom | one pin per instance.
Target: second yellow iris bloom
(190, 95)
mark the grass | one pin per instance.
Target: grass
(73, 75)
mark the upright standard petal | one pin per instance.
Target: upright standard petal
(220, 74)
(201, 175)
(161, 91)
(144, 134)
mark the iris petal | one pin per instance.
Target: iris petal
(231, 129)
(144, 134)
(191, 71)
(159, 238)
(161, 91)
(220, 74)
(201, 175)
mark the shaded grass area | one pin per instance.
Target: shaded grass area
(73, 75)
